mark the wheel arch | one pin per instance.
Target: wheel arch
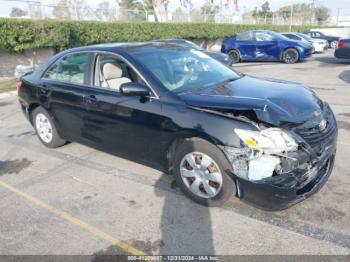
(31, 108)
(174, 143)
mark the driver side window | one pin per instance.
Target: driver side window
(111, 73)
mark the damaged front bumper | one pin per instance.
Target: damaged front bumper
(281, 191)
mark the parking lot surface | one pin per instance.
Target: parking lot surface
(76, 200)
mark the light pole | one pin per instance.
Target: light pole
(291, 17)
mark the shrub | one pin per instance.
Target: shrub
(20, 34)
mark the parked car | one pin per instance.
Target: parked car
(332, 40)
(319, 45)
(218, 132)
(223, 58)
(264, 45)
(343, 49)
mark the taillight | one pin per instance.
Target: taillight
(19, 87)
(340, 44)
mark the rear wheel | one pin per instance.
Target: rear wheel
(201, 171)
(290, 56)
(234, 55)
(45, 128)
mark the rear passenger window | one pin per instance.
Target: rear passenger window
(70, 68)
(294, 37)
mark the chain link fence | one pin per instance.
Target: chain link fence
(111, 12)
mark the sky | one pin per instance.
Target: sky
(245, 5)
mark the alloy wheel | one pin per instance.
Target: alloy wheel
(43, 127)
(201, 174)
(234, 55)
(290, 57)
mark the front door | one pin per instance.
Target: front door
(127, 126)
(266, 47)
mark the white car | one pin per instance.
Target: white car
(319, 45)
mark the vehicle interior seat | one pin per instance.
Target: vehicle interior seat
(112, 76)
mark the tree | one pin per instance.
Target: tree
(209, 10)
(67, 9)
(305, 13)
(61, 10)
(102, 11)
(321, 14)
(18, 12)
(132, 9)
(264, 12)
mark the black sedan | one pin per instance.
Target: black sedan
(332, 40)
(343, 49)
(218, 132)
(221, 57)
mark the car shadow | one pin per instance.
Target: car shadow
(185, 226)
(331, 61)
(345, 76)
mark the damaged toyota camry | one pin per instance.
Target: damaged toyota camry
(220, 133)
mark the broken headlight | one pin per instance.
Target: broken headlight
(270, 140)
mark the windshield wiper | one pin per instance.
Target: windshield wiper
(232, 79)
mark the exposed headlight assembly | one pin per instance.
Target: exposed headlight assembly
(270, 140)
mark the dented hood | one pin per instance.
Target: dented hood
(273, 101)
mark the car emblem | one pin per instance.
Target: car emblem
(322, 125)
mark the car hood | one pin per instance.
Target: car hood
(274, 101)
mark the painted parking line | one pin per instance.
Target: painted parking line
(64, 215)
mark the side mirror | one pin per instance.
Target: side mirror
(134, 89)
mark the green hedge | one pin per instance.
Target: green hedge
(20, 34)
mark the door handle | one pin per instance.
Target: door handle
(91, 99)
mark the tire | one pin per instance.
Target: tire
(333, 44)
(223, 185)
(45, 128)
(234, 55)
(290, 56)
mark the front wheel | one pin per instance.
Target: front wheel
(45, 128)
(290, 56)
(202, 172)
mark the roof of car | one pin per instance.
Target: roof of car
(127, 46)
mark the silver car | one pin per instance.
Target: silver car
(319, 45)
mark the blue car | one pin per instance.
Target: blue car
(263, 45)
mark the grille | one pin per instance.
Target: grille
(317, 138)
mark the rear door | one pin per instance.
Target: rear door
(61, 91)
(127, 126)
(266, 47)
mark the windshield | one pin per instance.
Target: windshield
(183, 70)
(194, 46)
